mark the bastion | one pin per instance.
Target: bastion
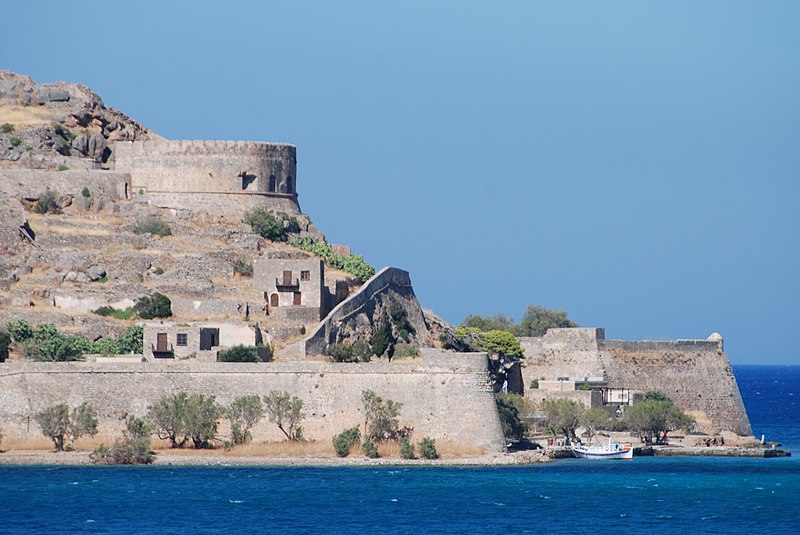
(219, 177)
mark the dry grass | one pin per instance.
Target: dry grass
(311, 448)
(26, 116)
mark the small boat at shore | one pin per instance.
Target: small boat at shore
(612, 450)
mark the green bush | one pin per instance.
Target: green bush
(243, 413)
(5, 343)
(406, 448)
(107, 311)
(370, 449)
(152, 225)
(381, 417)
(86, 193)
(427, 448)
(57, 421)
(132, 340)
(271, 227)
(20, 330)
(243, 267)
(157, 305)
(159, 271)
(345, 440)
(129, 451)
(62, 167)
(406, 350)
(15, 141)
(7, 128)
(240, 353)
(359, 351)
(511, 409)
(353, 264)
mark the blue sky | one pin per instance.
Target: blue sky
(634, 163)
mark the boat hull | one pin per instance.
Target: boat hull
(608, 451)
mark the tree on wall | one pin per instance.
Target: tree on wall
(503, 348)
(381, 417)
(535, 322)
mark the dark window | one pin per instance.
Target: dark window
(305, 275)
(273, 183)
(209, 337)
(182, 339)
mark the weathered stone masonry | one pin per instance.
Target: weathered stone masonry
(447, 397)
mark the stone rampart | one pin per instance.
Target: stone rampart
(33, 183)
(448, 401)
(359, 309)
(695, 374)
(215, 177)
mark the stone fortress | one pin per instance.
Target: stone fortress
(71, 143)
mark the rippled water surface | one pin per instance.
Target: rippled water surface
(676, 495)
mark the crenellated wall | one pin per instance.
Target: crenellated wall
(446, 397)
(222, 178)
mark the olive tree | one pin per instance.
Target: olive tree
(381, 420)
(563, 416)
(57, 422)
(168, 416)
(243, 413)
(653, 418)
(201, 419)
(286, 411)
(594, 419)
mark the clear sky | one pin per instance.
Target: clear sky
(634, 163)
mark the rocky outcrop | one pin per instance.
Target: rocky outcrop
(45, 125)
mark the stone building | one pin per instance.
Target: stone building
(168, 340)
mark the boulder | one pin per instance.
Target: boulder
(96, 273)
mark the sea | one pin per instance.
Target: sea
(645, 495)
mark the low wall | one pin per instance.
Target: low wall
(448, 402)
(105, 185)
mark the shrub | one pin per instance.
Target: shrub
(86, 193)
(47, 203)
(132, 340)
(7, 128)
(406, 350)
(511, 408)
(126, 452)
(240, 353)
(427, 448)
(286, 412)
(5, 343)
(107, 311)
(159, 271)
(157, 305)
(406, 448)
(243, 267)
(152, 225)
(354, 264)
(62, 167)
(345, 440)
(15, 141)
(358, 351)
(20, 330)
(370, 449)
(268, 226)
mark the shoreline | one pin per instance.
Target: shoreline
(517, 458)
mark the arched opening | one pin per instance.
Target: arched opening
(273, 300)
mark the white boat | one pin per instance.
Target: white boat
(612, 450)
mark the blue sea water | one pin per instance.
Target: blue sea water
(675, 495)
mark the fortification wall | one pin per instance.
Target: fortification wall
(216, 177)
(563, 353)
(358, 311)
(695, 374)
(450, 402)
(33, 183)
